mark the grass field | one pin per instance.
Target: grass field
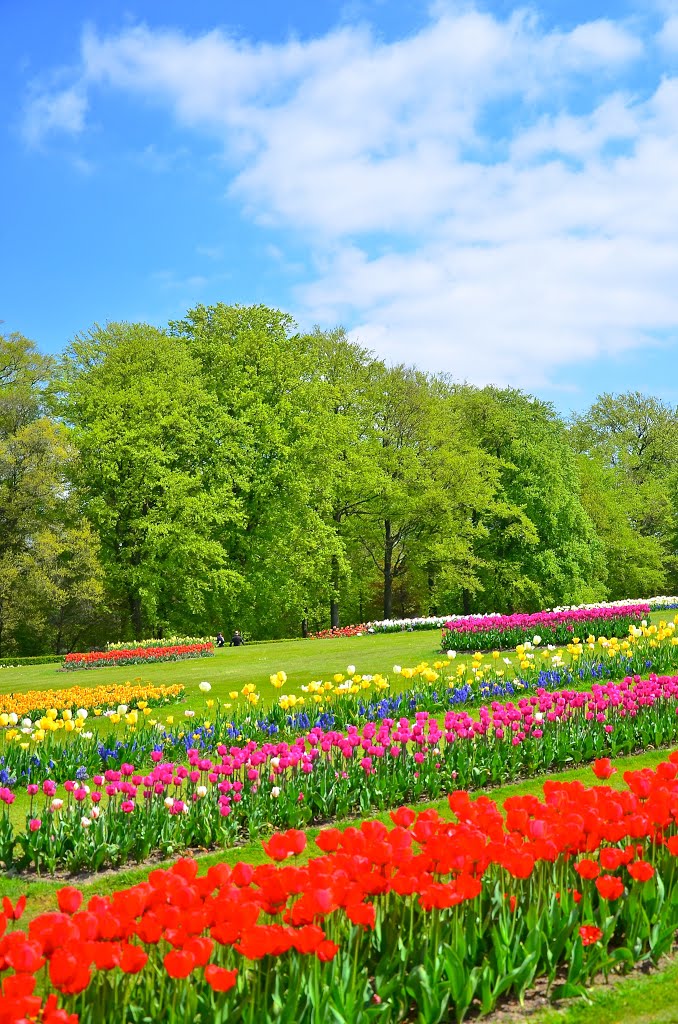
(640, 999)
(232, 667)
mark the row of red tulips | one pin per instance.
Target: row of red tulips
(430, 916)
(137, 656)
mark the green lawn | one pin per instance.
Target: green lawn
(642, 999)
(232, 667)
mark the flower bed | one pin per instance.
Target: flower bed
(44, 745)
(137, 656)
(128, 812)
(168, 641)
(16, 706)
(438, 621)
(474, 632)
(425, 919)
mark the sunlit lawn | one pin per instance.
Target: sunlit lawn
(232, 667)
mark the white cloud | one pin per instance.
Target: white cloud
(47, 112)
(462, 206)
(600, 42)
(668, 35)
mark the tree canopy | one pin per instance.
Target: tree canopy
(231, 471)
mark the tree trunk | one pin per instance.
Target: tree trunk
(135, 614)
(388, 570)
(466, 601)
(430, 582)
(334, 602)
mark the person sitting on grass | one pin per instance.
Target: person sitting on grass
(236, 639)
(220, 640)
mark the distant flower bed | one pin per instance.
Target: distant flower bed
(628, 605)
(15, 706)
(137, 656)
(326, 634)
(559, 627)
(167, 641)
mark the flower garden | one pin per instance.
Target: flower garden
(420, 915)
(148, 653)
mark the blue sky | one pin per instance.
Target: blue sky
(487, 189)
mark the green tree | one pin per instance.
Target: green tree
(351, 478)
(35, 510)
(156, 474)
(634, 563)
(629, 446)
(262, 375)
(436, 484)
(539, 546)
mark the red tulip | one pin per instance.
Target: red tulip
(327, 950)
(404, 817)
(13, 913)
(219, 978)
(589, 934)
(18, 985)
(602, 768)
(132, 959)
(362, 914)
(587, 868)
(641, 871)
(609, 887)
(179, 963)
(69, 899)
(328, 840)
